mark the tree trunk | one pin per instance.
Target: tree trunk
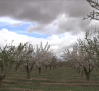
(45, 68)
(87, 73)
(39, 70)
(1, 83)
(17, 66)
(28, 74)
(2, 76)
(87, 76)
(2, 69)
(50, 68)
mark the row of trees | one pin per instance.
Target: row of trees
(84, 56)
(27, 55)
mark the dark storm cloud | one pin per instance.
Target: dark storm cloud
(78, 8)
(43, 11)
(46, 11)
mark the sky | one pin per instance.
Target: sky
(58, 22)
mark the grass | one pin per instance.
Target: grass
(59, 79)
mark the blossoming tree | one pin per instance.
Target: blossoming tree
(43, 55)
(7, 60)
(82, 57)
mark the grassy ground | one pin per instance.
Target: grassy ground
(59, 79)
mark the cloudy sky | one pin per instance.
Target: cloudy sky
(59, 22)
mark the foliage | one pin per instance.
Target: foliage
(94, 14)
(85, 54)
(6, 57)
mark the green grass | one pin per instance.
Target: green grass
(59, 79)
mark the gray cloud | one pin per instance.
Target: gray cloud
(42, 29)
(16, 24)
(73, 25)
(45, 12)
(78, 8)
(42, 11)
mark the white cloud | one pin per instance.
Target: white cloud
(9, 20)
(9, 36)
(57, 42)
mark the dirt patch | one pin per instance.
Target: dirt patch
(72, 84)
(84, 81)
(17, 77)
(38, 79)
(23, 89)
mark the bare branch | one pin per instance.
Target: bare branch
(94, 3)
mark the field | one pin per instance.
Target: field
(59, 79)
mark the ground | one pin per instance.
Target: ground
(59, 79)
